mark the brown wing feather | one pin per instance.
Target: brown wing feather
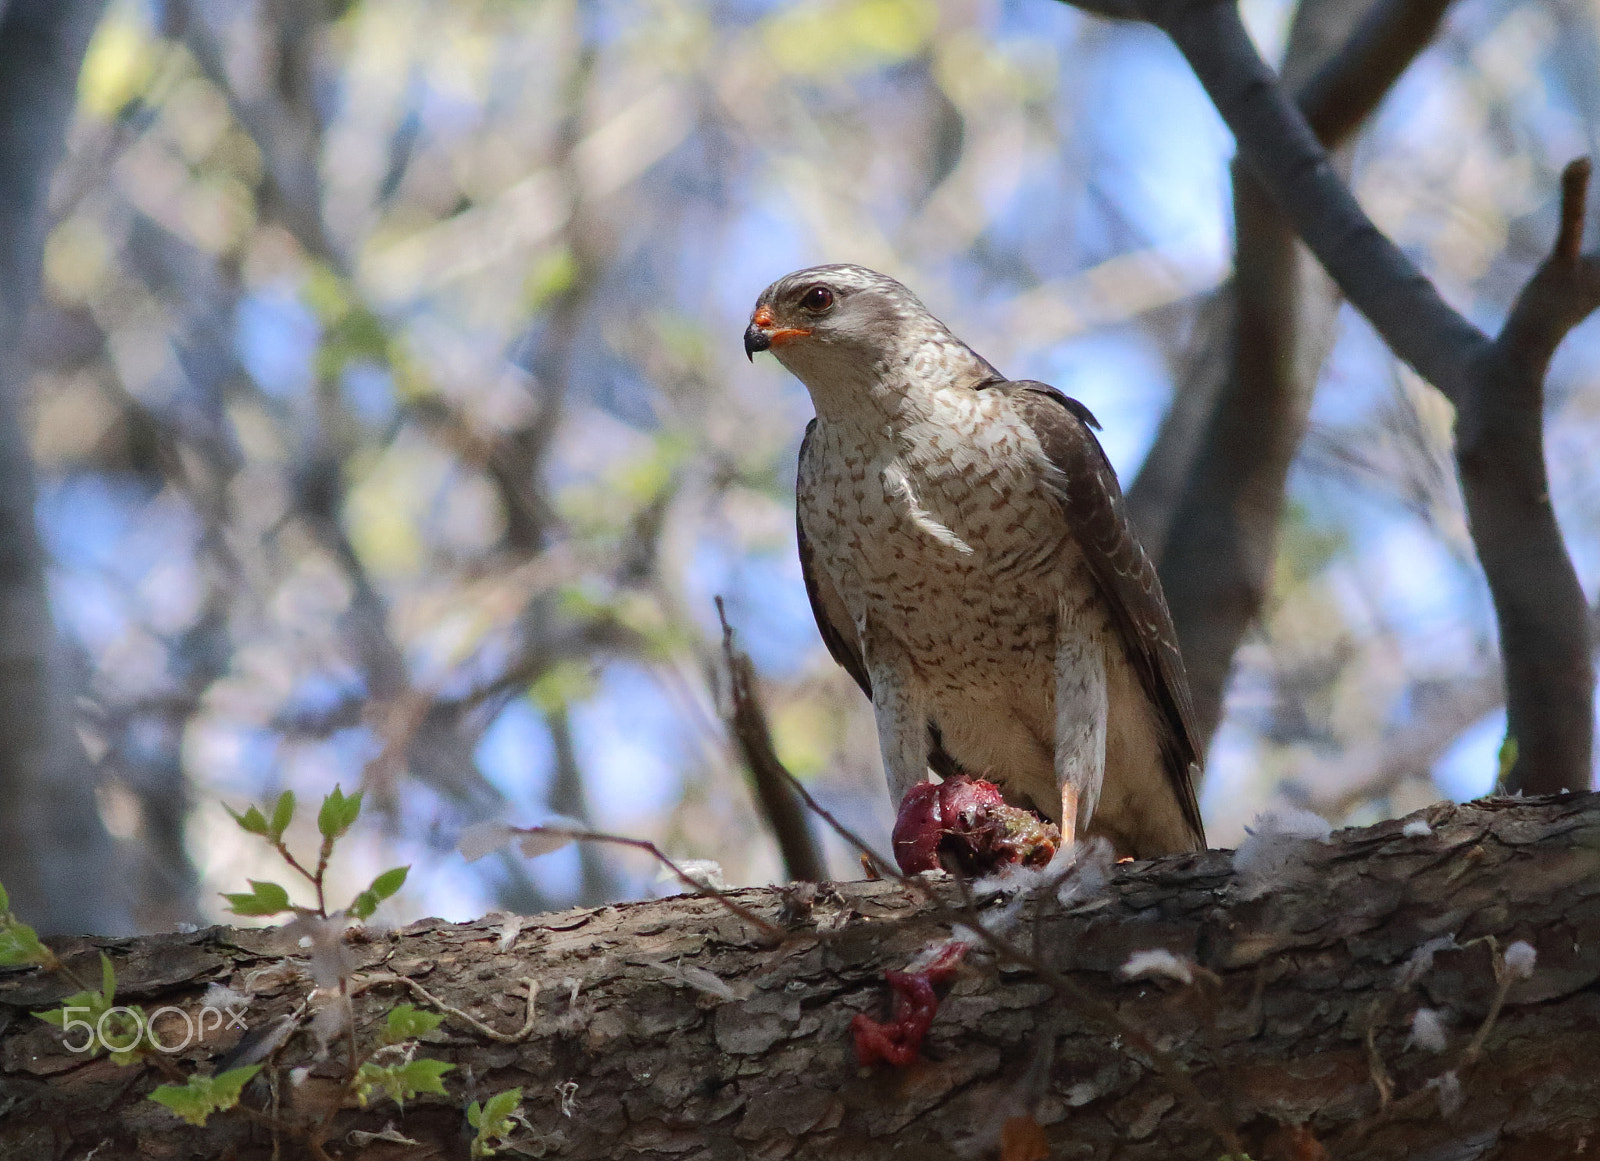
(827, 606)
(1093, 504)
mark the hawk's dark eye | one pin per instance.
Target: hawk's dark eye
(818, 298)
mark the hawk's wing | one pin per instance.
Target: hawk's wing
(1093, 505)
(833, 617)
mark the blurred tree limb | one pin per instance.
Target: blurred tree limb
(1496, 384)
(55, 854)
(747, 722)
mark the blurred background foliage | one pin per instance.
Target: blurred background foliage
(393, 427)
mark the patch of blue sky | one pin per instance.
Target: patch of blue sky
(90, 607)
(765, 596)
(629, 740)
(1231, 789)
(758, 247)
(1163, 149)
(1118, 375)
(314, 766)
(1047, 223)
(559, 874)
(276, 336)
(85, 520)
(445, 110)
(1024, 20)
(517, 756)
(1358, 376)
(1470, 766)
(1407, 580)
(439, 884)
(98, 527)
(368, 391)
(316, 692)
(251, 769)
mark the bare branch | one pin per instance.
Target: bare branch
(1496, 385)
(1564, 291)
(1348, 88)
(1210, 496)
(1539, 604)
(1279, 146)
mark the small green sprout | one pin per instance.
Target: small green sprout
(204, 1095)
(494, 1120)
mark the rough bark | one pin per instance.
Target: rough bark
(54, 853)
(1307, 1016)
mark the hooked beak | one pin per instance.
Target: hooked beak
(761, 336)
(755, 339)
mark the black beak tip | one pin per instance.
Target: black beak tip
(755, 339)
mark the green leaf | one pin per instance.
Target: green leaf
(389, 882)
(19, 943)
(426, 1075)
(126, 1034)
(282, 815)
(400, 1082)
(108, 979)
(493, 1121)
(332, 812)
(1508, 759)
(204, 1095)
(264, 899)
(338, 813)
(381, 888)
(251, 820)
(406, 1022)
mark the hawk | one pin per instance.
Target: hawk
(971, 564)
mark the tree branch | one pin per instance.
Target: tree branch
(674, 1023)
(1496, 385)
(1545, 632)
(1209, 498)
(1346, 90)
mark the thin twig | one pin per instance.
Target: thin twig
(371, 981)
(695, 885)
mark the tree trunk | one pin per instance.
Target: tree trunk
(1308, 1014)
(55, 855)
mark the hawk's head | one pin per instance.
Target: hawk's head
(852, 336)
(826, 312)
